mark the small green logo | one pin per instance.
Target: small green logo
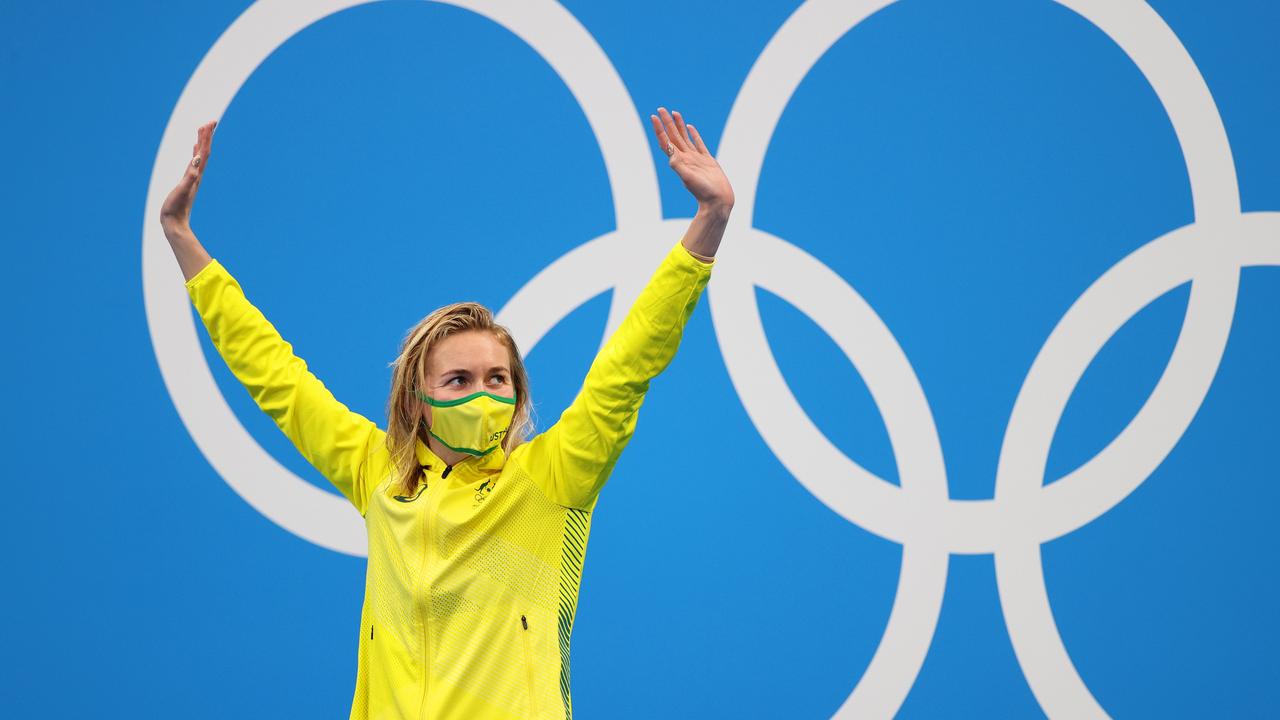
(405, 499)
(483, 491)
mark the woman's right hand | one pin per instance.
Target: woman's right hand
(175, 213)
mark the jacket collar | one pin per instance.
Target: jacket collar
(472, 467)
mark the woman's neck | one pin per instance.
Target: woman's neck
(450, 457)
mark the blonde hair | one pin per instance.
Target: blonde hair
(404, 409)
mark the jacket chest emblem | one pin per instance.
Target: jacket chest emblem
(484, 490)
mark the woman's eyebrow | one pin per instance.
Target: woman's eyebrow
(464, 371)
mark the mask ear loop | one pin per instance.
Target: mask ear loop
(426, 400)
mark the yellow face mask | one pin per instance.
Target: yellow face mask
(475, 424)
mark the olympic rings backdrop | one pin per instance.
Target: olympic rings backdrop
(980, 416)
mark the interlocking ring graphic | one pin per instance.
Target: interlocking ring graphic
(919, 513)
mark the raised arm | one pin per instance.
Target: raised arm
(572, 460)
(335, 440)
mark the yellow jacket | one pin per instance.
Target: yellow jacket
(472, 583)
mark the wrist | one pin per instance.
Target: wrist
(716, 209)
(178, 232)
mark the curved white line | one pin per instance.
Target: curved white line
(304, 510)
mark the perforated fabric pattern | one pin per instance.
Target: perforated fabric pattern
(500, 567)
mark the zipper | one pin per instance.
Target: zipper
(528, 665)
(425, 609)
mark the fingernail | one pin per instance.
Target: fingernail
(195, 161)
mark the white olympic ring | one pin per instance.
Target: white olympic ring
(919, 514)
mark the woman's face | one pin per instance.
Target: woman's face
(465, 363)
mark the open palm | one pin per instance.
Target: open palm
(175, 213)
(691, 160)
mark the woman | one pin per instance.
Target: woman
(476, 533)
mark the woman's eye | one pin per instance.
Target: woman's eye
(455, 380)
(498, 379)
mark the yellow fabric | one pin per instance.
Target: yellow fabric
(474, 427)
(472, 583)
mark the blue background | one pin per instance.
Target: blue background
(969, 167)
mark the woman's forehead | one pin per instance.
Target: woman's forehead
(470, 350)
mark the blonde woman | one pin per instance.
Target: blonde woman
(477, 531)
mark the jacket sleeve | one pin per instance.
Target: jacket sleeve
(572, 460)
(335, 440)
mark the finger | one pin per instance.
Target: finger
(196, 158)
(673, 134)
(697, 141)
(663, 141)
(208, 137)
(682, 128)
(658, 132)
(204, 144)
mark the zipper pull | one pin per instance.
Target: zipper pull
(447, 469)
(524, 622)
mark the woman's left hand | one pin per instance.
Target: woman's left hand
(691, 160)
